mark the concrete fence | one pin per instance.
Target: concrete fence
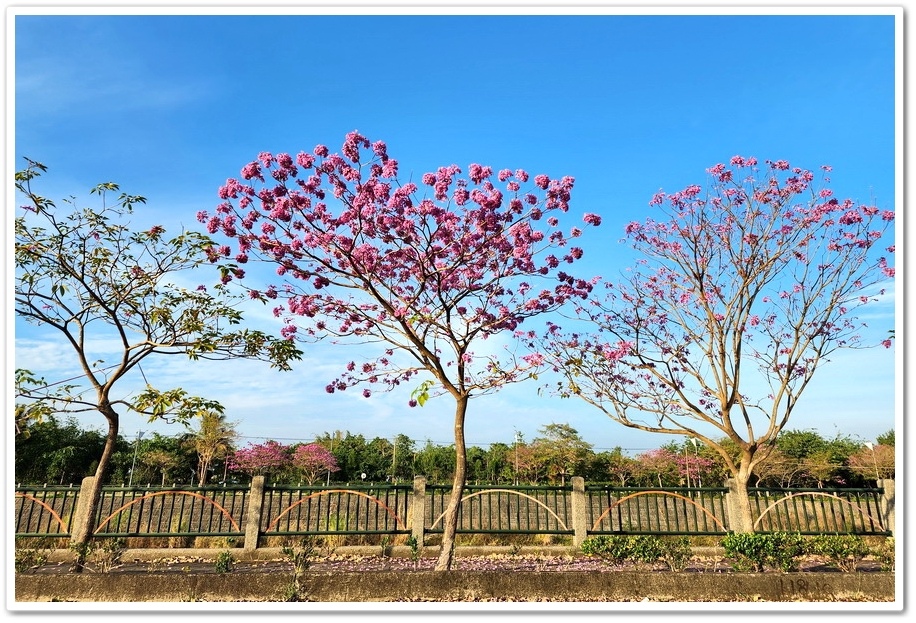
(575, 511)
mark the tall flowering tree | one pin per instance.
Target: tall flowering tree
(314, 460)
(427, 271)
(109, 292)
(262, 459)
(744, 290)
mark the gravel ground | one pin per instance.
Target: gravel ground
(493, 562)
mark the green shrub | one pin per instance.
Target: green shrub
(31, 553)
(886, 554)
(224, 562)
(385, 546)
(845, 551)
(108, 553)
(751, 551)
(300, 555)
(415, 552)
(613, 548)
(676, 552)
(644, 550)
(641, 549)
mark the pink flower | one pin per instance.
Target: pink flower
(305, 160)
(478, 173)
(251, 170)
(850, 217)
(592, 219)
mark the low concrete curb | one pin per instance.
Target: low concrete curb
(388, 586)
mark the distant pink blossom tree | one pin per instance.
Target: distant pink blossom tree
(313, 460)
(428, 271)
(660, 464)
(262, 459)
(749, 284)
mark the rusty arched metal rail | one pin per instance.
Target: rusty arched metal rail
(158, 493)
(518, 493)
(816, 494)
(397, 519)
(663, 493)
(27, 496)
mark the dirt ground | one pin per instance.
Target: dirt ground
(356, 563)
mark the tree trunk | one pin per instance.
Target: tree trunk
(83, 535)
(742, 516)
(202, 471)
(450, 519)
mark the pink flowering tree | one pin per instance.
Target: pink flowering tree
(426, 272)
(313, 460)
(744, 289)
(661, 465)
(262, 459)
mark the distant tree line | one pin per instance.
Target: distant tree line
(56, 452)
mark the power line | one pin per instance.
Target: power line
(78, 376)
(434, 442)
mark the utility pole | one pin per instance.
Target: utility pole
(394, 461)
(518, 440)
(133, 466)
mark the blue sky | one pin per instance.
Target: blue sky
(169, 106)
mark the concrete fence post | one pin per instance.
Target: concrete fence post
(887, 504)
(418, 509)
(578, 503)
(253, 519)
(81, 513)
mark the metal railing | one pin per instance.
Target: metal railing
(172, 511)
(392, 509)
(321, 510)
(502, 510)
(45, 511)
(818, 511)
(669, 511)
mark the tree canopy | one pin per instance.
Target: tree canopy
(742, 291)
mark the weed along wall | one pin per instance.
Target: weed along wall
(249, 516)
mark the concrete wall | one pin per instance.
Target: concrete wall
(382, 586)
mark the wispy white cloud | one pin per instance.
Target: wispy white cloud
(61, 87)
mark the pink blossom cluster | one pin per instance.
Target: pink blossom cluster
(313, 459)
(260, 459)
(761, 270)
(272, 457)
(362, 254)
